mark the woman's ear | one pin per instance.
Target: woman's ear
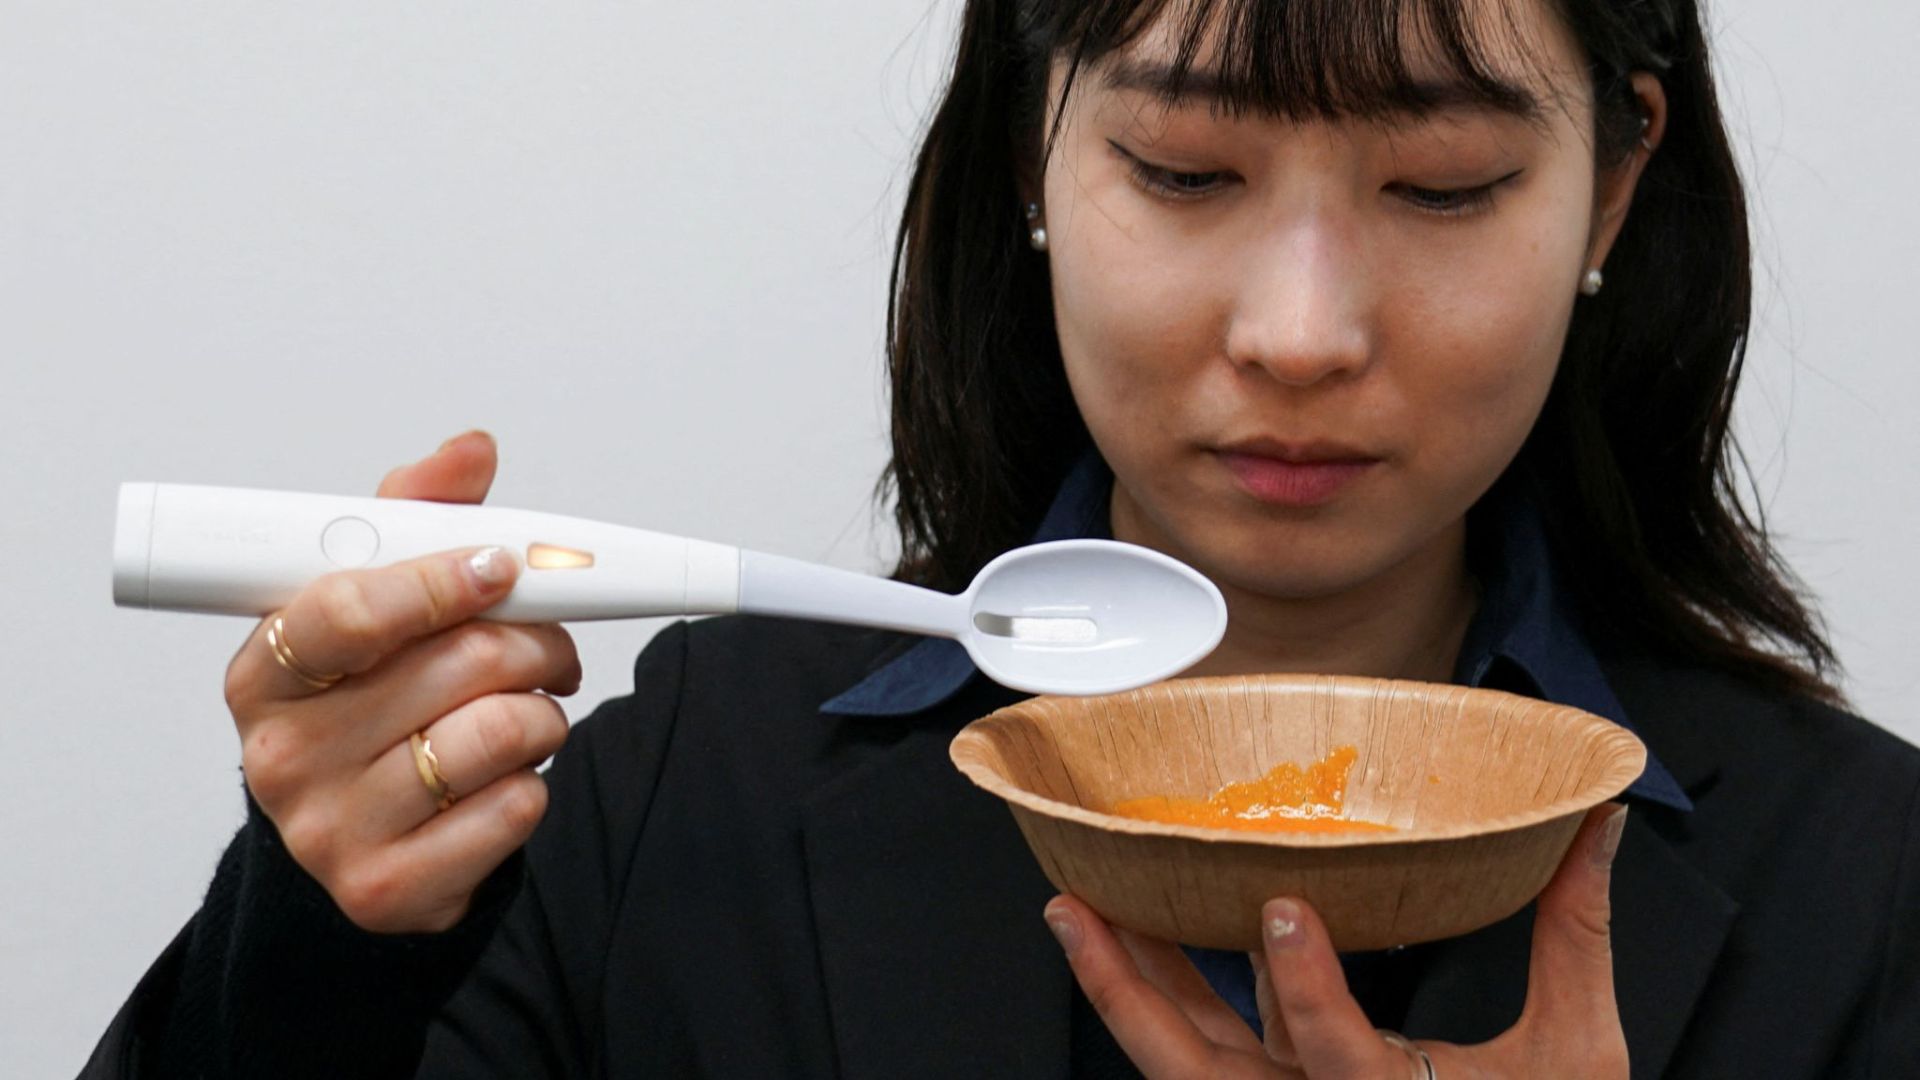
(1613, 193)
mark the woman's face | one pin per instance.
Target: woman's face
(1307, 349)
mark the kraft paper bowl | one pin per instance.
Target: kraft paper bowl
(1486, 789)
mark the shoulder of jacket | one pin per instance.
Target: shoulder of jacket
(1700, 709)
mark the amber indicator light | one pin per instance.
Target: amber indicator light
(555, 557)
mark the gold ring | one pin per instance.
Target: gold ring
(429, 768)
(283, 652)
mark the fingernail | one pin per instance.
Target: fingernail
(1065, 928)
(1280, 922)
(492, 566)
(1609, 842)
(463, 435)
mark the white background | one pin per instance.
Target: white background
(645, 245)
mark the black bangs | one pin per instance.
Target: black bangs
(1297, 59)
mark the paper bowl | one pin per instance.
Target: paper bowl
(1486, 788)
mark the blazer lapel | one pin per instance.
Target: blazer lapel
(927, 905)
(1669, 924)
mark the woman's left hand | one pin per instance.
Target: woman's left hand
(1172, 1024)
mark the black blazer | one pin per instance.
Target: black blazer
(729, 883)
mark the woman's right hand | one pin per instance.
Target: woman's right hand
(333, 769)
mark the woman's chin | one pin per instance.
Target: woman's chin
(1272, 577)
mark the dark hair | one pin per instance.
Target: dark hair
(1631, 460)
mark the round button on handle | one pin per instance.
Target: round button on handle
(350, 542)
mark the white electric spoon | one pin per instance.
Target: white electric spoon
(1069, 617)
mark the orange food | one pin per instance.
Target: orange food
(1288, 799)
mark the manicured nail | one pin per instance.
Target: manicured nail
(1065, 928)
(493, 566)
(1280, 922)
(1608, 844)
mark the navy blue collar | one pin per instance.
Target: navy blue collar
(1523, 638)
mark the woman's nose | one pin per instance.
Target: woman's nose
(1301, 308)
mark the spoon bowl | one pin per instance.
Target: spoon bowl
(1089, 617)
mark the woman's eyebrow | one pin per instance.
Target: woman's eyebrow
(1415, 100)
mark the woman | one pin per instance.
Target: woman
(1309, 296)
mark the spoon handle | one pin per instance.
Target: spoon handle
(776, 585)
(242, 551)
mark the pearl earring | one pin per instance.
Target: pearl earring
(1037, 233)
(1590, 285)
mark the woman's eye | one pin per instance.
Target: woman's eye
(1454, 202)
(1174, 185)
(1169, 183)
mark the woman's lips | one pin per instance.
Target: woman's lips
(1293, 483)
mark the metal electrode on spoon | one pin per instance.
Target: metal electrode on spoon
(1069, 617)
